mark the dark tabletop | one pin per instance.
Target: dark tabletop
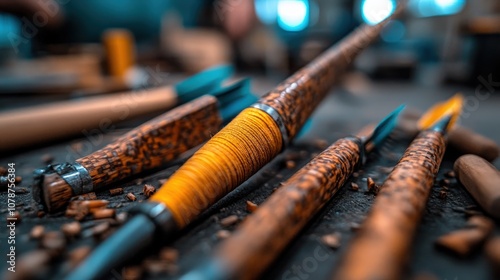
(347, 109)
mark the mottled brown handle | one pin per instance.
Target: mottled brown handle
(155, 142)
(265, 233)
(148, 146)
(380, 249)
(307, 87)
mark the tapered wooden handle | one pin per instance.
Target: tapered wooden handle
(149, 146)
(308, 86)
(155, 142)
(383, 243)
(35, 125)
(264, 234)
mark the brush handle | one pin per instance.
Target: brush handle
(383, 243)
(35, 125)
(149, 146)
(297, 97)
(265, 233)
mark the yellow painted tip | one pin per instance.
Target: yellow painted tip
(452, 106)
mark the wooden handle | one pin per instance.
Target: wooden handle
(40, 124)
(380, 249)
(265, 233)
(149, 146)
(307, 87)
(482, 180)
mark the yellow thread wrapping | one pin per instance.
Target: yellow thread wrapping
(234, 154)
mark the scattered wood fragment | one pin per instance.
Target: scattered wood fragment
(354, 187)
(229, 221)
(103, 213)
(372, 186)
(132, 273)
(148, 190)
(37, 232)
(71, 230)
(115, 192)
(290, 164)
(54, 242)
(77, 255)
(332, 240)
(223, 234)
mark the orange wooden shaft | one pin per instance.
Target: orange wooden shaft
(383, 243)
(265, 233)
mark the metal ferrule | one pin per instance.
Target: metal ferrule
(77, 176)
(159, 214)
(362, 150)
(277, 119)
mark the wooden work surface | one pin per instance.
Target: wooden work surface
(341, 114)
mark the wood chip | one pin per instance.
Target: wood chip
(121, 217)
(37, 232)
(54, 242)
(77, 255)
(443, 194)
(464, 241)
(223, 234)
(117, 191)
(148, 190)
(251, 207)
(450, 174)
(169, 255)
(321, 144)
(71, 230)
(290, 164)
(132, 273)
(103, 213)
(18, 179)
(3, 171)
(354, 187)
(85, 196)
(372, 186)
(332, 240)
(156, 267)
(131, 197)
(162, 181)
(444, 183)
(229, 221)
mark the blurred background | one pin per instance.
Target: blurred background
(98, 46)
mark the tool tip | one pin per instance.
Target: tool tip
(385, 127)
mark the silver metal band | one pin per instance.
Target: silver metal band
(79, 179)
(277, 119)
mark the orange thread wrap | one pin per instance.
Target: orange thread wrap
(234, 154)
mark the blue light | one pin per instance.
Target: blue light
(429, 8)
(375, 11)
(266, 10)
(393, 32)
(293, 15)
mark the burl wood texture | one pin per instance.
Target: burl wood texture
(155, 142)
(380, 249)
(297, 97)
(265, 233)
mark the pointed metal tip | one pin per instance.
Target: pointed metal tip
(385, 127)
(444, 124)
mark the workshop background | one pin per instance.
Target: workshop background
(73, 50)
